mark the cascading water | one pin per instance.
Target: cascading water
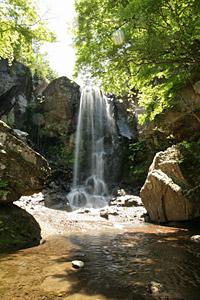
(95, 126)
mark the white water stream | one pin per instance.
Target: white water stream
(95, 124)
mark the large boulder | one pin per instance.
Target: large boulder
(18, 229)
(22, 170)
(168, 194)
(15, 93)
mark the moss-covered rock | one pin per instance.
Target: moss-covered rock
(18, 229)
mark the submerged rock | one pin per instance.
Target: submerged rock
(164, 193)
(195, 238)
(154, 288)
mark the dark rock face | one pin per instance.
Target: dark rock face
(52, 122)
(15, 93)
(60, 106)
(117, 150)
(22, 170)
(18, 229)
(125, 128)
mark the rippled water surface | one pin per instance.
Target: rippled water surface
(119, 264)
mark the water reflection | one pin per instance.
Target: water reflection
(117, 266)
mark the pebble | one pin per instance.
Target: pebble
(154, 288)
(104, 214)
(77, 264)
(195, 238)
(42, 241)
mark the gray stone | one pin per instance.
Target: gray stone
(163, 192)
(15, 93)
(23, 171)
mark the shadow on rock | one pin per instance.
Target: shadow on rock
(18, 229)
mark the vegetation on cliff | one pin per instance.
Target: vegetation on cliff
(142, 45)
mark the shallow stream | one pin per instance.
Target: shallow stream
(119, 264)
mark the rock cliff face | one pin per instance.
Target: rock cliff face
(15, 93)
(52, 126)
(22, 170)
(60, 106)
(166, 191)
(52, 121)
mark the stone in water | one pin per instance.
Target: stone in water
(77, 264)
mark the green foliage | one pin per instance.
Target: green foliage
(190, 166)
(22, 33)
(190, 163)
(160, 50)
(3, 187)
(141, 155)
(140, 158)
(3, 184)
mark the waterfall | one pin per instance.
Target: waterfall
(95, 125)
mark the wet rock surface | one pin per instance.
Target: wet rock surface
(126, 201)
(55, 197)
(195, 238)
(58, 219)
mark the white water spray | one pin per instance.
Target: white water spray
(95, 124)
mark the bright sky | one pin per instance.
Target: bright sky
(60, 15)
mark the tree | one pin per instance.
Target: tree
(145, 45)
(22, 32)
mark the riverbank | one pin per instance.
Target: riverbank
(125, 210)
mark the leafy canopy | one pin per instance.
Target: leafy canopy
(159, 48)
(22, 33)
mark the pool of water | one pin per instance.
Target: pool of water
(119, 264)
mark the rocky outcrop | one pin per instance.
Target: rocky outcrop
(166, 191)
(15, 93)
(179, 122)
(18, 229)
(22, 170)
(52, 122)
(60, 106)
(55, 113)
